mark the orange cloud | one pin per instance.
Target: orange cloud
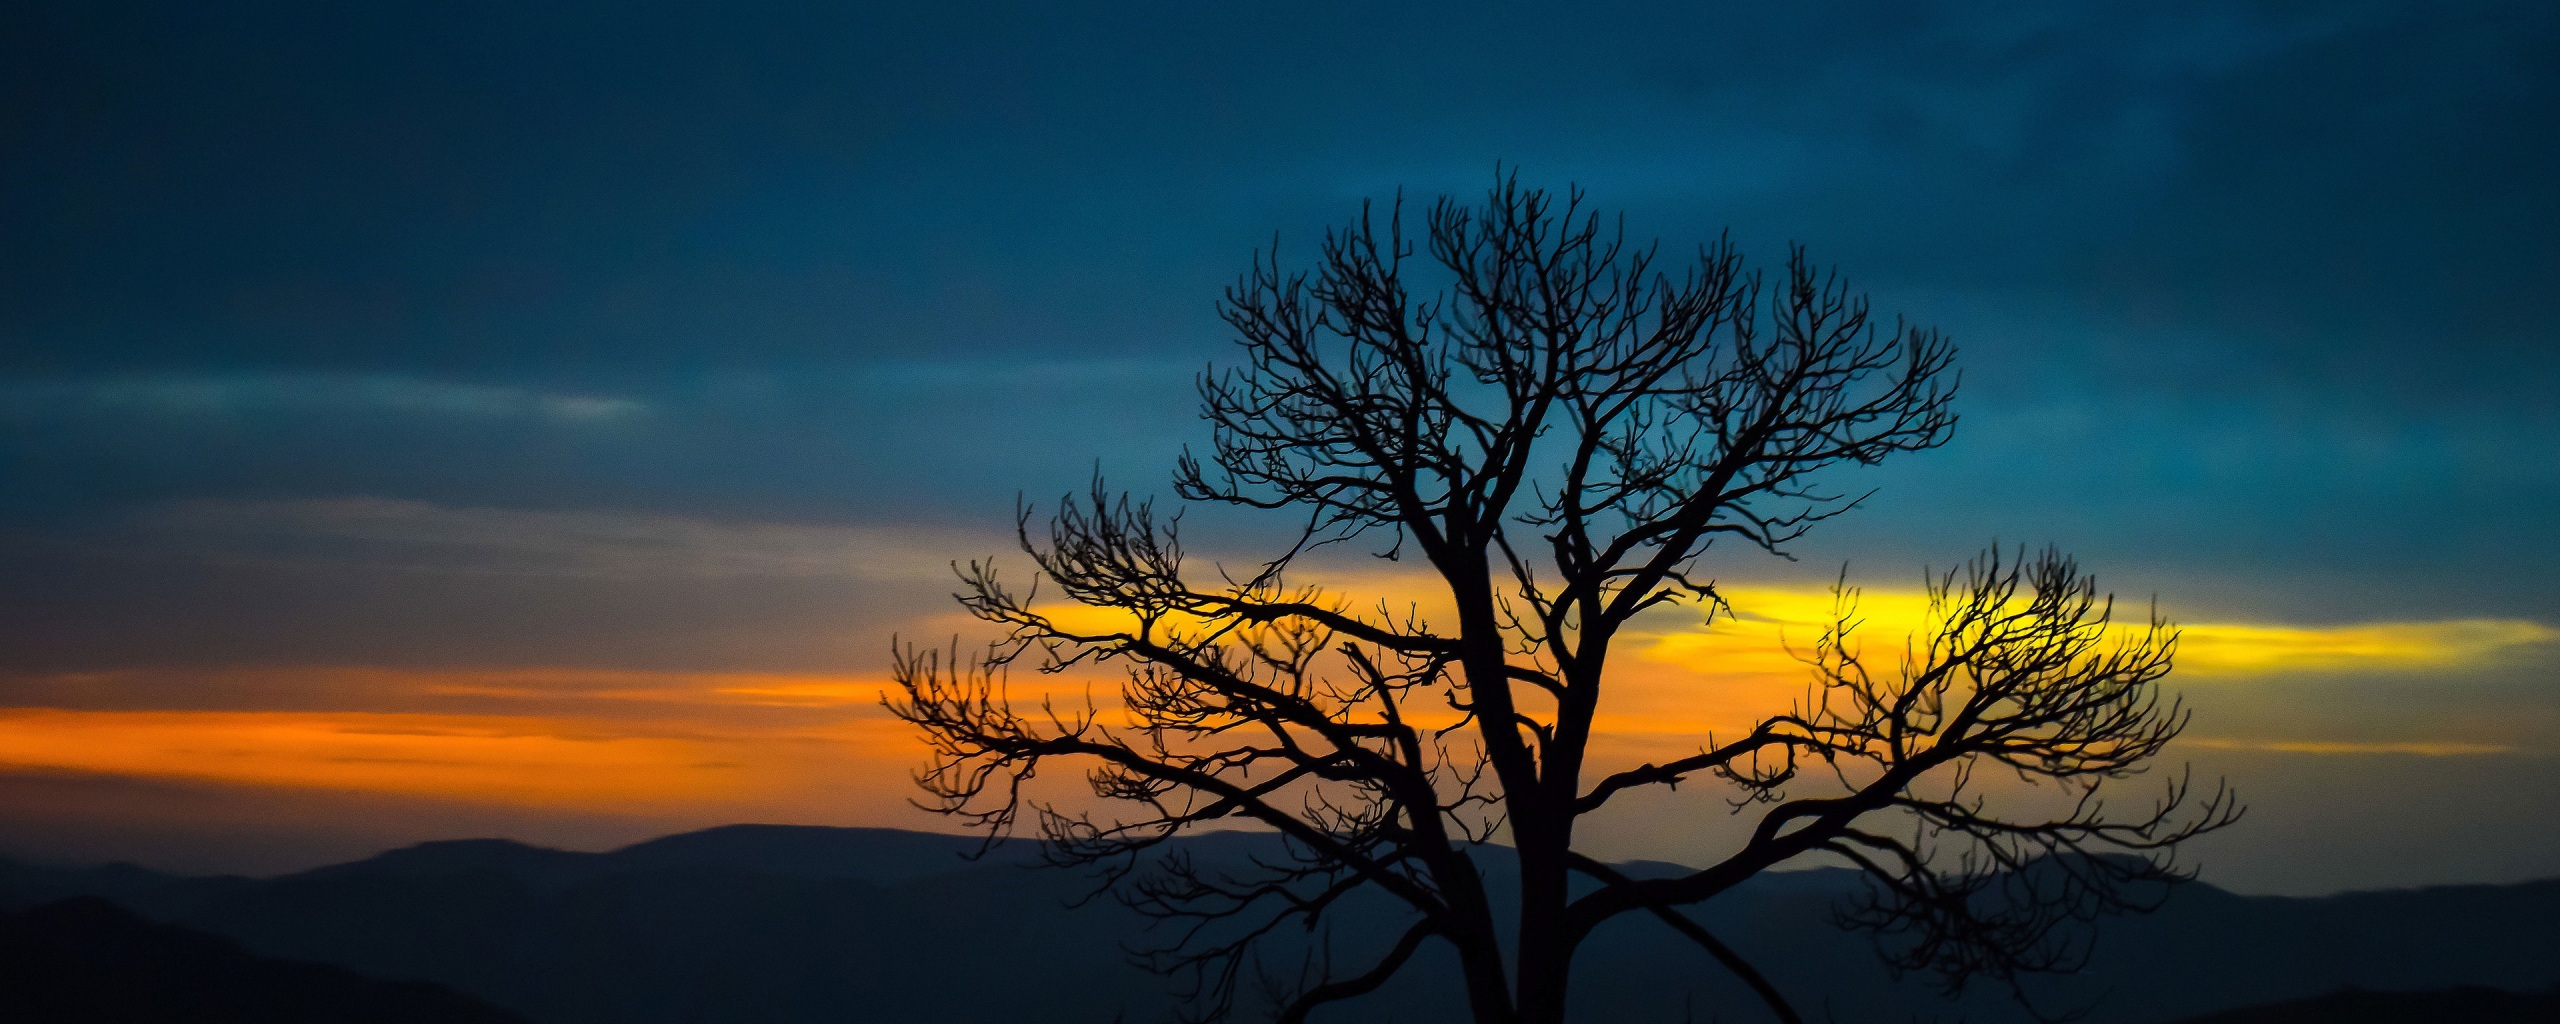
(607, 692)
(516, 760)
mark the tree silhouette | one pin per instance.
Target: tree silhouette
(1559, 432)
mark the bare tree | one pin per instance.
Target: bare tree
(1559, 433)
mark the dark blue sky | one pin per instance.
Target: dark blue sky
(311, 313)
(2289, 260)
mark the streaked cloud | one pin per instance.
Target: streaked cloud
(1754, 641)
(571, 763)
(486, 757)
(2221, 650)
(227, 394)
(1680, 679)
(802, 693)
(2413, 748)
(614, 545)
(621, 694)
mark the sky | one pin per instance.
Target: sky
(426, 420)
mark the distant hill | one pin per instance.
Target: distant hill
(2455, 1006)
(781, 925)
(879, 855)
(86, 961)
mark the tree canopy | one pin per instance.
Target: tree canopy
(1559, 425)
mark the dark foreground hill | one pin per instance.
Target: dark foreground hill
(2455, 1006)
(86, 961)
(772, 924)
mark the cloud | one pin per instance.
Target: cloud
(1754, 641)
(569, 763)
(2224, 650)
(2134, 203)
(1768, 619)
(421, 537)
(771, 180)
(491, 758)
(245, 394)
(2412, 748)
(594, 692)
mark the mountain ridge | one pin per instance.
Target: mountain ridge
(85, 960)
(774, 924)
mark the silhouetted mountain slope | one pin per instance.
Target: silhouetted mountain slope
(878, 855)
(86, 961)
(767, 924)
(2455, 1006)
(2210, 949)
(26, 885)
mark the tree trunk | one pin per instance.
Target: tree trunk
(1545, 953)
(1488, 989)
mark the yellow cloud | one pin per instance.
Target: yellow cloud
(1678, 677)
(2222, 649)
(1753, 641)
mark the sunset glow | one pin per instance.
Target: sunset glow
(485, 757)
(583, 764)
(424, 422)
(622, 739)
